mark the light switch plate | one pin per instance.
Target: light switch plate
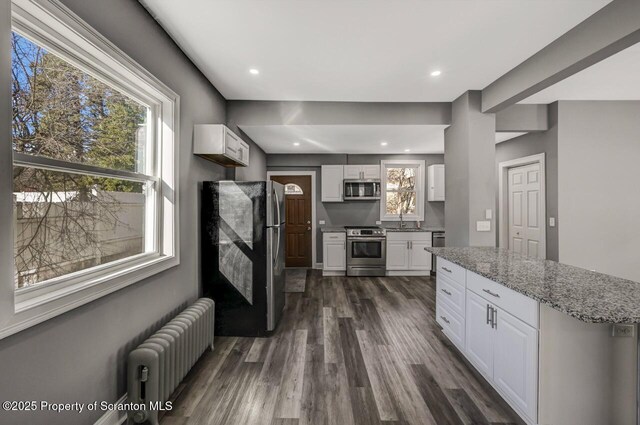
(321, 222)
(552, 222)
(483, 226)
(488, 214)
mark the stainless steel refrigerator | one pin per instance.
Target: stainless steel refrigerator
(243, 245)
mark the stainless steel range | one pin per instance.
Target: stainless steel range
(366, 251)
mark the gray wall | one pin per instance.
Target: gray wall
(530, 144)
(355, 212)
(257, 158)
(598, 190)
(80, 356)
(469, 173)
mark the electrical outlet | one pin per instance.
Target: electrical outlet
(552, 222)
(488, 214)
(622, 330)
(483, 226)
(378, 222)
(321, 222)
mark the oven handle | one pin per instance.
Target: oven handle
(366, 239)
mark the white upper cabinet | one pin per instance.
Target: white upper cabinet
(332, 183)
(361, 172)
(217, 143)
(435, 182)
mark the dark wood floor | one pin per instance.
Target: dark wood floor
(348, 351)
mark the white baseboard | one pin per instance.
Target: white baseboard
(408, 272)
(318, 266)
(114, 417)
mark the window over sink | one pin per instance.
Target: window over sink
(403, 190)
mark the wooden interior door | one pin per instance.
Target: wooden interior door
(297, 219)
(525, 217)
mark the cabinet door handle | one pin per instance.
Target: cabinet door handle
(445, 319)
(446, 269)
(407, 244)
(489, 314)
(493, 294)
(445, 291)
(494, 318)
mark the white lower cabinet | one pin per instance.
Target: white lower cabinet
(480, 335)
(505, 350)
(482, 318)
(406, 254)
(516, 362)
(334, 253)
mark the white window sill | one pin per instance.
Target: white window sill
(33, 307)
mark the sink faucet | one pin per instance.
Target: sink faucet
(402, 223)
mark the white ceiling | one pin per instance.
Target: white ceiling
(348, 138)
(615, 78)
(362, 50)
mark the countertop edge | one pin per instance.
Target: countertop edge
(576, 315)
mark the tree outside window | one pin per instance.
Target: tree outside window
(401, 194)
(67, 221)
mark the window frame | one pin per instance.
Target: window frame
(53, 26)
(419, 188)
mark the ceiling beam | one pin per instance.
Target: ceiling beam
(608, 31)
(517, 118)
(260, 113)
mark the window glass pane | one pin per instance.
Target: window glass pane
(404, 202)
(293, 189)
(401, 178)
(61, 112)
(68, 222)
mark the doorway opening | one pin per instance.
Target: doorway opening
(300, 238)
(522, 206)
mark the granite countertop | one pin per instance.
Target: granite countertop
(332, 229)
(588, 296)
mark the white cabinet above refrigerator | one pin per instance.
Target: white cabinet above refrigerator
(217, 143)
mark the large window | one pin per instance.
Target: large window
(94, 165)
(403, 190)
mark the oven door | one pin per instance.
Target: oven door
(366, 251)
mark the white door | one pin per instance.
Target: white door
(335, 255)
(419, 259)
(525, 217)
(479, 334)
(515, 362)
(397, 255)
(353, 172)
(332, 183)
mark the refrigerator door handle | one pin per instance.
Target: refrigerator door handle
(278, 245)
(278, 208)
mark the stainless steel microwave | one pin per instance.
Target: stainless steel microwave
(361, 190)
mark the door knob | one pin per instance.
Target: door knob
(308, 222)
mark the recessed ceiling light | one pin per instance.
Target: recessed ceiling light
(407, 150)
(383, 144)
(254, 71)
(296, 144)
(436, 73)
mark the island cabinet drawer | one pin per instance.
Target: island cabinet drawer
(452, 324)
(520, 306)
(452, 271)
(451, 293)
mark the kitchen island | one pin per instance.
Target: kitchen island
(542, 333)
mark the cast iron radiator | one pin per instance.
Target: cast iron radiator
(159, 364)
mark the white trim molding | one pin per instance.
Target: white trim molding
(503, 196)
(420, 188)
(114, 417)
(51, 24)
(314, 255)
